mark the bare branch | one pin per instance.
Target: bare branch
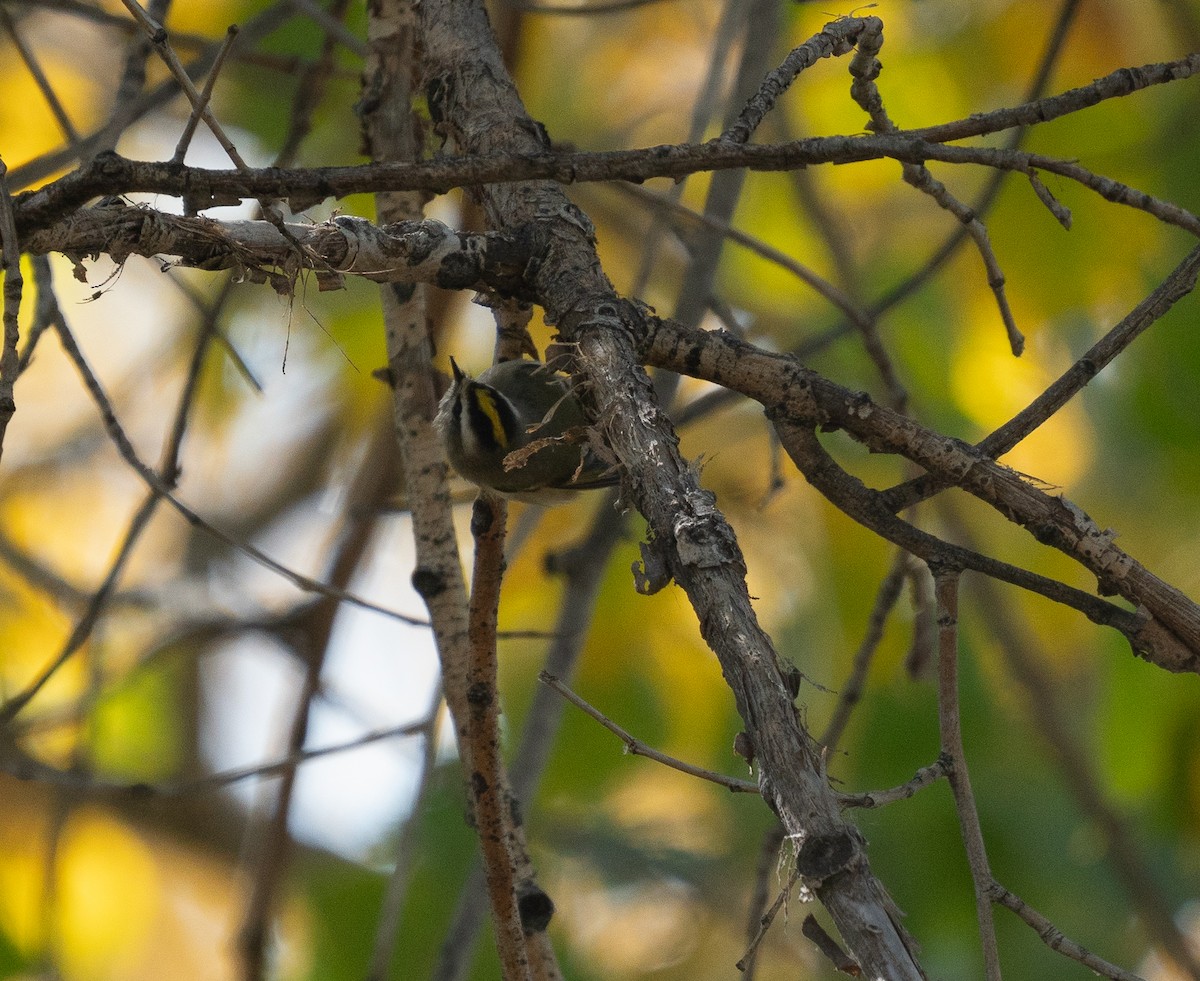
(797, 399)
(493, 806)
(541, 252)
(205, 96)
(401, 252)
(1053, 938)
(25, 767)
(690, 534)
(881, 798)
(1179, 283)
(865, 68)
(583, 568)
(158, 37)
(156, 484)
(766, 920)
(131, 104)
(950, 730)
(636, 747)
(885, 598)
(841, 961)
(112, 173)
(833, 41)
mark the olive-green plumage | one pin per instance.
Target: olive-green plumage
(482, 420)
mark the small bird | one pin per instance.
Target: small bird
(507, 408)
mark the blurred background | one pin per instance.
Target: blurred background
(130, 844)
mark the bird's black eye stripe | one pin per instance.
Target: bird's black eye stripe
(492, 420)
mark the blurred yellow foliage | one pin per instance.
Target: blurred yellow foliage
(129, 897)
(106, 892)
(990, 386)
(123, 904)
(26, 119)
(664, 808)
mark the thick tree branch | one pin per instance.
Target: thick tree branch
(476, 109)
(799, 399)
(466, 644)
(109, 173)
(428, 251)
(408, 251)
(1178, 284)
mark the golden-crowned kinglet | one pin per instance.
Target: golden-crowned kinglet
(511, 405)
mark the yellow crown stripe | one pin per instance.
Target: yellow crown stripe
(487, 405)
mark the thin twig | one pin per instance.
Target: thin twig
(865, 68)
(1054, 938)
(950, 730)
(158, 37)
(1180, 282)
(920, 178)
(636, 747)
(295, 759)
(25, 767)
(205, 95)
(156, 484)
(833, 40)
(768, 863)
(881, 798)
(987, 197)
(767, 919)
